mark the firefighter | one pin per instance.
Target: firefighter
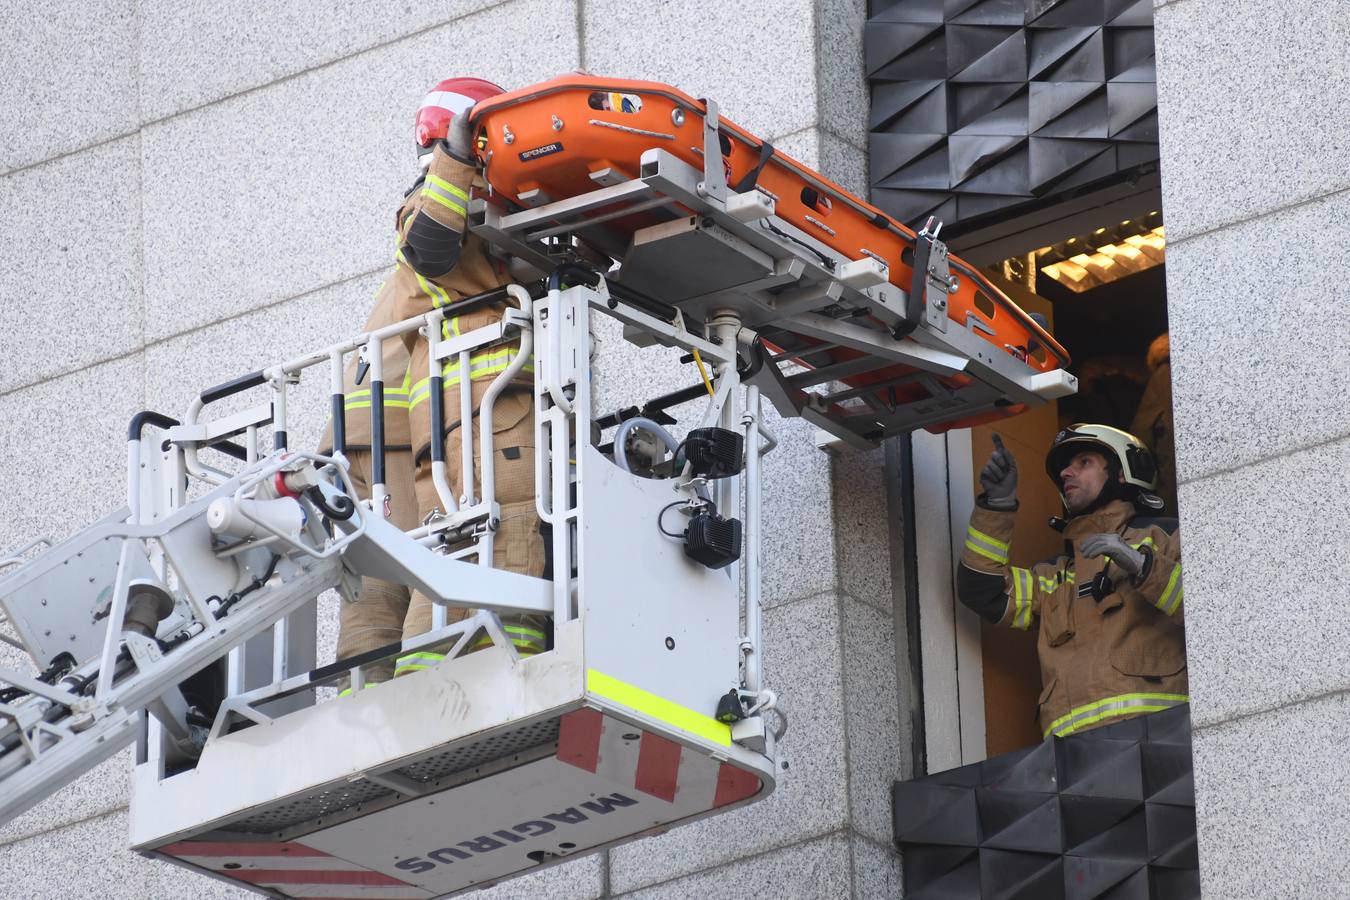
(437, 263)
(1153, 419)
(1111, 637)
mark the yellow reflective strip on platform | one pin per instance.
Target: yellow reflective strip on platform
(659, 708)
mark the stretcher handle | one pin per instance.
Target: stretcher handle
(159, 420)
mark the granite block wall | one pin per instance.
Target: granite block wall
(188, 190)
(1252, 114)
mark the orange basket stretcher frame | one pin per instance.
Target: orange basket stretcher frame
(863, 326)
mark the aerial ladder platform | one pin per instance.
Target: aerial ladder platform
(184, 622)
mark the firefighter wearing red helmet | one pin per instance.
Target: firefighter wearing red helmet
(438, 261)
(1108, 609)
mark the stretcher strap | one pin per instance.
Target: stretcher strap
(749, 178)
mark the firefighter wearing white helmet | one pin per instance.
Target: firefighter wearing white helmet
(1108, 609)
(437, 263)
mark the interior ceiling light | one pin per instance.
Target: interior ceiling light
(1088, 261)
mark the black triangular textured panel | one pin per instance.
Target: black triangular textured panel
(928, 813)
(1086, 62)
(967, 43)
(1005, 63)
(928, 863)
(972, 206)
(1170, 828)
(1167, 768)
(1008, 119)
(1053, 158)
(1087, 879)
(962, 883)
(1171, 726)
(1128, 730)
(1145, 73)
(1126, 48)
(972, 102)
(1103, 769)
(1175, 884)
(903, 50)
(1011, 177)
(1067, 13)
(914, 206)
(1136, 887)
(891, 98)
(1017, 820)
(1086, 819)
(1103, 165)
(911, 11)
(968, 155)
(1031, 769)
(1020, 876)
(1128, 103)
(1088, 119)
(1125, 841)
(1136, 153)
(1048, 100)
(1046, 48)
(891, 153)
(994, 12)
(1130, 12)
(927, 173)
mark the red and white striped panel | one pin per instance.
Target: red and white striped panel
(651, 763)
(294, 870)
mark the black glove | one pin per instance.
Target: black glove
(999, 478)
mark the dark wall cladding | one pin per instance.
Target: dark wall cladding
(982, 105)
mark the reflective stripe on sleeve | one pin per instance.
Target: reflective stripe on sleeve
(986, 546)
(1170, 601)
(1022, 588)
(446, 194)
(1110, 707)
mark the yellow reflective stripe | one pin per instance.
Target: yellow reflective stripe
(979, 542)
(434, 292)
(414, 662)
(454, 189)
(422, 389)
(1119, 705)
(1146, 542)
(989, 554)
(1170, 600)
(659, 708)
(972, 531)
(430, 193)
(1022, 590)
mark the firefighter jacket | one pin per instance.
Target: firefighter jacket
(1109, 647)
(438, 263)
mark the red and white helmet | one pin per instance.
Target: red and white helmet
(451, 97)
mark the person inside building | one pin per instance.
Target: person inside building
(438, 263)
(1153, 419)
(1108, 609)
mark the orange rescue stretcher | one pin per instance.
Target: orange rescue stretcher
(564, 137)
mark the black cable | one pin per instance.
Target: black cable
(660, 517)
(340, 513)
(253, 586)
(824, 260)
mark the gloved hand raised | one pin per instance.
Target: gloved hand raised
(1113, 547)
(999, 478)
(459, 140)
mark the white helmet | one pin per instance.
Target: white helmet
(1123, 451)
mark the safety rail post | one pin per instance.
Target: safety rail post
(378, 490)
(754, 412)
